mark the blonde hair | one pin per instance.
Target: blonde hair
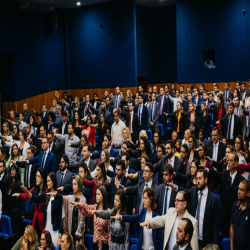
(130, 95)
(78, 101)
(188, 132)
(8, 129)
(128, 133)
(31, 237)
(143, 133)
(107, 162)
(79, 182)
(69, 240)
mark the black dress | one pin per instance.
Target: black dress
(101, 131)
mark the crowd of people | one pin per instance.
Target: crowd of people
(168, 168)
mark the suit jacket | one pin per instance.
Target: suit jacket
(166, 104)
(45, 117)
(57, 150)
(198, 105)
(229, 95)
(34, 168)
(211, 221)
(221, 150)
(112, 189)
(82, 109)
(59, 126)
(188, 247)
(50, 164)
(237, 125)
(135, 123)
(33, 138)
(113, 101)
(107, 114)
(158, 167)
(138, 191)
(156, 233)
(160, 198)
(214, 110)
(144, 116)
(156, 114)
(66, 183)
(91, 166)
(167, 221)
(186, 106)
(175, 122)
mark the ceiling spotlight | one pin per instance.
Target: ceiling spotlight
(78, 3)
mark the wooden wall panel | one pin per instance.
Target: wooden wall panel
(36, 102)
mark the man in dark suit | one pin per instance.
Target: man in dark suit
(62, 126)
(138, 189)
(243, 92)
(115, 183)
(55, 146)
(132, 122)
(91, 164)
(197, 100)
(29, 169)
(38, 141)
(187, 102)
(44, 114)
(117, 100)
(142, 111)
(231, 124)
(31, 139)
(109, 107)
(154, 114)
(184, 234)
(166, 195)
(64, 177)
(95, 102)
(229, 181)
(164, 106)
(175, 162)
(45, 159)
(85, 107)
(3, 180)
(204, 206)
(216, 149)
(228, 94)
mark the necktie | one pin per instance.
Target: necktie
(142, 205)
(130, 122)
(140, 114)
(229, 127)
(43, 160)
(85, 110)
(198, 209)
(116, 102)
(226, 96)
(61, 179)
(27, 176)
(165, 201)
(161, 105)
(214, 153)
(152, 111)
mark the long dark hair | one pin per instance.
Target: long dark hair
(48, 240)
(122, 196)
(36, 189)
(12, 149)
(101, 165)
(160, 140)
(52, 176)
(103, 191)
(17, 177)
(147, 146)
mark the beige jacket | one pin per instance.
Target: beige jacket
(67, 216)
(167, 221)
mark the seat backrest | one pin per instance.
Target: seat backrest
(133, 247)
(226, 244)
(149, 134)
(6, 225)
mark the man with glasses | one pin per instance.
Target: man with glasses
(45, 159)
(55, 146)
(171, 220)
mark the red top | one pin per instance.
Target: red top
(91, 136)
(244, 168)
(219, 126)
(38, 211)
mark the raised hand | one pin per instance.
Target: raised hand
(145, 224)
(60, 188)
(208, 158)
(51, 194)
(92, 211)
(16, 195)
(172, 185)
(24, 189)
(76, 204)
(122, 187)
(97, 182)
(218, 122)
(116, 217)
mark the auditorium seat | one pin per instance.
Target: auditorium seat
(97, 139)
(150, 136)
(133, 240)
(133, 247)
(161, 129)
(226, 244)
(6, 228)
(28, 208)
(216, 193)
(89, 241)
(169, 124)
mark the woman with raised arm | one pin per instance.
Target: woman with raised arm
(14, 156)
(148, 239)
(156, 142)
(88, 130)
(39, 188)
(119, 230)
(72, 220)
(52, 208)
(101, 235)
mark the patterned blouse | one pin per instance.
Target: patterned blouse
(101, 226)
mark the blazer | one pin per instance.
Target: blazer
(211, 221)
(186, 106)
(237, 125)
(156, 114)
(167, 221)
(135, 123)
(144, 116)
(160, 198)
(56, 211)
(91, 166)
(204, 123)
(138, 191)
(45, 117)
(229, 95)
(156, 233)
(166, 104)
(175, 122)
(57, 148)
(185, 180)
(25, 147)
(188, 247)
(91, 136)
(215, 110)
(221, 150)
(82, 108)
(34, 168)
(60, 125)
(178, 166)
(113, 101)
(50, 164)
(66, 183)
(198, 105)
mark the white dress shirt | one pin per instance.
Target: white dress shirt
(1, 177)
(202, 211)
(171, 161)
(174, 100)
(168, 197)
(232, 128)
(30, 167)
(116, 132)
(215, 151)
(50, 146)
(233, 176)
(147, 242)
(87, 162)
(131, 121)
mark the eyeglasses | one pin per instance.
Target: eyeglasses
(146, 171)
(237, 142)
(38, 176)
(190, 141)
(43, 239)
(177, 200)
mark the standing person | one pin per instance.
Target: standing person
(119, 230)
(101, 235)
(3, 179)
(154, 114)
(44, 114)
(117, 99)
(11, 206)
(205, 120)
(197, 100)
(52, 208)
(72, 220)
(192, 145)
(149, 239)
(240, 228)
(102, 129)
(37, 189)
(26, 114)
(192, 120)
(66, 242)
(228, 94)
(142, 112)
(171, 220)
(116, 130)
(89, 131)
(53, 107)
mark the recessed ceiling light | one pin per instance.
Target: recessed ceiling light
(78, 3)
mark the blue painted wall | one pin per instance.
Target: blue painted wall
(37, 65)
(102, 57)
(218, 25)
(156, 43)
